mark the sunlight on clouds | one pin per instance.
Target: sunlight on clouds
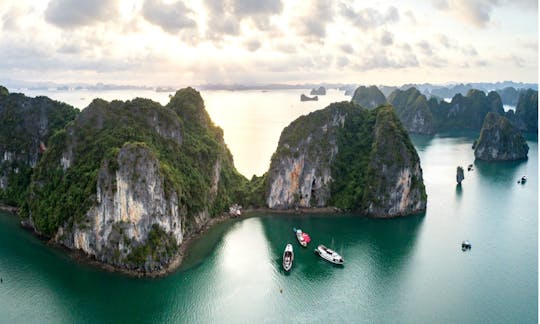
(196, 41)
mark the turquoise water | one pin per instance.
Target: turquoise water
(404, 270)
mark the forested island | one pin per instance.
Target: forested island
(128, 183)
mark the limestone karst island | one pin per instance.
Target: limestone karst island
(240, 161)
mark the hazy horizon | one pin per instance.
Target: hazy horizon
(194, 42)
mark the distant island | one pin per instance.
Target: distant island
(128, 183)
(303, 97)
(321, 91)
(463, 112)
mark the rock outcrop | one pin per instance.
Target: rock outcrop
(25, 127)
(303, 97)
(127, 182)
(413, 110)
(500, 141)
(369, 97)
(348, 157)
(321, 91)
(460, 176)
(509, 96)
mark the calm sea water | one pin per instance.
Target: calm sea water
(404, 270)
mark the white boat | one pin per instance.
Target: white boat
(303, 238)
(329, 255)
(288, 257)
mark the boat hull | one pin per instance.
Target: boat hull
(288, 257)
(332, 258)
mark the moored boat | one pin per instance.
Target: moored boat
(288, 257)
(303, 238)
(329, 255)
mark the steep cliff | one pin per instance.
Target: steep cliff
(349, 157)
(369, 97)
(500, 141)
(413, 110)
(127, 182)
(527, 110)
(25, 127)
(466, 112)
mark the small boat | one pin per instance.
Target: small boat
(466, 245)
(288, 257)
(523, 179)
(303, 238)
(329, 255)
(470, 167)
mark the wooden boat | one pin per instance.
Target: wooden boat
(288, 257)
(303, 238)
(329, 255)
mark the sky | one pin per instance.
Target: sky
(190, 42)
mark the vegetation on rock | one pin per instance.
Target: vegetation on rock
(413, 110)
(369, 97)
(26, 127)
(500, 140)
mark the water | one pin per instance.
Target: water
(405, 270)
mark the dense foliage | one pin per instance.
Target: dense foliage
(26, 127)
(412, 109)
(368, 97)
(181, 136)
(466, 112)
(373, 146)
(500, 136)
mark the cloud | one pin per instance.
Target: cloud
(74, 13)
(252, 45)
(478, 12)
(253, 7)
(225, 16)
(342, 61)
(370, 18)
(171, 17)
(387, 38)
(312, 24)
(10, 19)
(383, 61)
(347, 48)
(425, 48)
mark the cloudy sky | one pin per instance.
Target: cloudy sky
(172, 42)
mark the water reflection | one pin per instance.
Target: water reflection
(459, 192)
(499, 171)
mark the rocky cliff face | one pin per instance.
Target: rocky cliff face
(413, 110)
(500, 141)
(299, 174)
(348, 157)
(26, 125)
(129, 181)
(369, 97)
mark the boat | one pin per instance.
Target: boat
(523, 179)
(466, 245)
(329, 255)
(303, 238)
(470, 167)
(288, 257)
